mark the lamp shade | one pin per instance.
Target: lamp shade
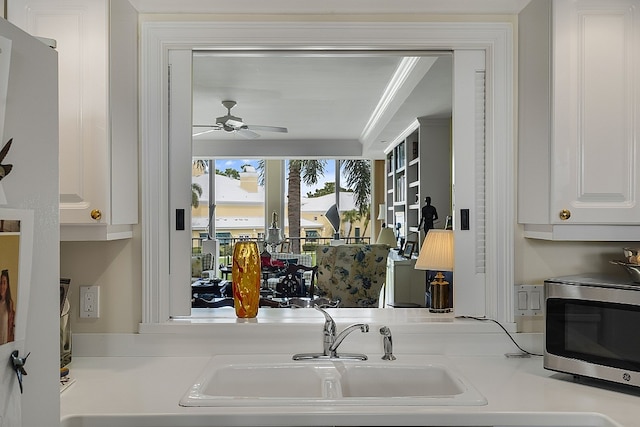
(333, 216)
(437, 251)
(381, 213)
(387, 237)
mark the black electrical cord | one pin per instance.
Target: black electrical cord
(484, 319)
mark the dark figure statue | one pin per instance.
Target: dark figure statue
(429, 215)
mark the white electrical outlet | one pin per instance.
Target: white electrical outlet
(90, 302)
(528, 300)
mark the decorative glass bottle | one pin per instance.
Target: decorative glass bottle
(245, 275)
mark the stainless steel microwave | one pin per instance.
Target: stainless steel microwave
(592, 327)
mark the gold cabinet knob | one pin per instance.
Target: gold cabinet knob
(96, 214)
(565, 214)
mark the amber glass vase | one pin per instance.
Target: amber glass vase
(245, 275)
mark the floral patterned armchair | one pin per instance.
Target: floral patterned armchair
(352, 274)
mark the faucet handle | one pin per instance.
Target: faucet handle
(321, 310)
(329, 323)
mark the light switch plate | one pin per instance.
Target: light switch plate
(90, 302)
(528, 300)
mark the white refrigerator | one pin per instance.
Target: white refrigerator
(29, 229)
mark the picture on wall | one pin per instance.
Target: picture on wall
(9, 277)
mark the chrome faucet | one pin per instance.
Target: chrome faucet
(331, 341)
(387, 344)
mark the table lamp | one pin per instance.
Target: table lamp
(436, 255)
(387, 237)
(274, 234)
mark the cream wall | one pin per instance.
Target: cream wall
(231, 211)
(116, 266)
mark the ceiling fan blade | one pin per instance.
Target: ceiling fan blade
(211, 128)
(235, 124)
(204, 131)
(246, 133)
(268, 128)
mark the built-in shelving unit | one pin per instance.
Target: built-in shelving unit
(418, 164)
(403, 183)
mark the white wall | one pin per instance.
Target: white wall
(118, 269)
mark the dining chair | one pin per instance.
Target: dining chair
(292, 282)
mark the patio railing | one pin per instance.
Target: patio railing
(307, 245)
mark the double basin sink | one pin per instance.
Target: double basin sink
(246, 380)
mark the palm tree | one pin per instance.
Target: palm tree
(358, 175)
(365, 217)
(354, 216)
(350, 217)
(200, 165)
(196, 192)
(307, 171)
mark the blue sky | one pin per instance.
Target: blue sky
(329, 176)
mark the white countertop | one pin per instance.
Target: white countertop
(137, 380)
(519, 392)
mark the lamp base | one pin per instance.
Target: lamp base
(440, 295)
(439, 310)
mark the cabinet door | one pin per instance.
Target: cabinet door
(98, 110)
(80, 31)
(596, 116)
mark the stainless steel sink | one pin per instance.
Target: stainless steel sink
(276, 380)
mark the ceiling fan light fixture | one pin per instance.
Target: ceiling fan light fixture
(230, 123)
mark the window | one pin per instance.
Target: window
(311, 236)
(157, 39)
(311, 183)
(238, 206)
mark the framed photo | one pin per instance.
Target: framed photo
(408, 249)
(16, 249)
(285, 247)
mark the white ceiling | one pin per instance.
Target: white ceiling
(364, 99)
(357, 103)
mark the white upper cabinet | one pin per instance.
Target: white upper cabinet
(579, 120)
(97, 50)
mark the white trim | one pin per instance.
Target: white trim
(409, 67)
(496, 38)
(331, 7)
(471, 295)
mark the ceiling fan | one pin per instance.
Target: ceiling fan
(230, 123)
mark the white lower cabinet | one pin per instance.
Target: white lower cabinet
(405, 286)
(579, 117)
(97, 44)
